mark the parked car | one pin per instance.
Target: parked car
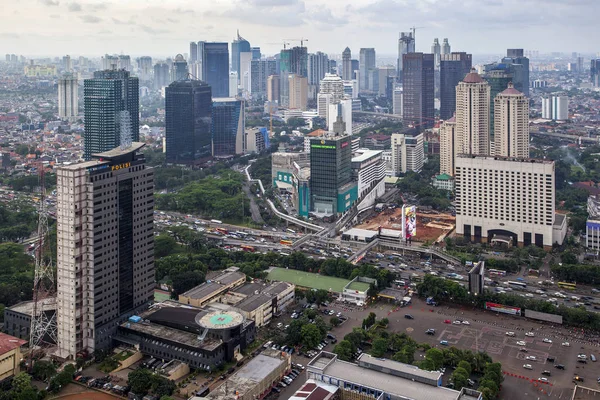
(529, 334)
(511, 334)
(430, 331)
(546, 372)
(444, 343)
(527, 366)
(566, 344)
(408, 316)
(559, 366)
(546, 340)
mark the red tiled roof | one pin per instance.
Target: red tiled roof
(319, 394)
(318, 132)
(8, 343)
(309, 386)
(473, 77)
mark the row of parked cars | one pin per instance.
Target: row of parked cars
(289, 378)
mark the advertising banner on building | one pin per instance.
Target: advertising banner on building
(409, 222)
(542, 316)
(501, 308)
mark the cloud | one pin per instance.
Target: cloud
(119, 22)
(75, 7)
(325, 18)
(98, 6)
(9, 35)
(280, 13)
(90, 19)
(55, 16)
(50, 2)
(272, 3)
(153, 31)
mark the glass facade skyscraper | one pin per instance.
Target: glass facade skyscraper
(228, 127)
(418, 85)
(453, 68)
(240, 45)
(188, 110)
(215, 67)
(104, 98)
(179, 71)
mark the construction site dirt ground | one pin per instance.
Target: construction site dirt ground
(431, 225)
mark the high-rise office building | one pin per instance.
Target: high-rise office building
(498, 76)
(436, 50)
(105, 252)
(367, 63)
(111, 105)
(317, 67)
(68, 97)
(520, 67)
(294, 61)
(445, 47)
(447, 146)
(397, 101)
(453, 68)
(347, 73)
(332, 190)
(407, 152)
(340, 112)
(472, 115)
(239, 45)
(418, 90)
(179, 72)
(161, 75)
(595, 72)
(383, 73)
(67, 64)
(260, 70)
(298, 92)
(506, 200)
(144, 65)
(193, 52)
(511, 136)
(124, 62)
(228, 127)
(188, 111)
(256, 55)
(245, 73)
(233, 84)
(406, 44)
(215, 67)
(355, 68)
(273, 94)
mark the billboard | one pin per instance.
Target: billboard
(409, 222)
(501, 308)
(542, 316)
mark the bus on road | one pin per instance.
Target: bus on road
(216, 221)
(496, 272)
(285, 242)
(567, 285)
(517, 285)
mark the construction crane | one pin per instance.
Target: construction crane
(301, 40)
(414, 31)
(284, 44)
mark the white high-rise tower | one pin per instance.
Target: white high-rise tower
(68, 101)
(511, 124)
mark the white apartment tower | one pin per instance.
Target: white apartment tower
(332, 84)
(472, 115)
(506, 200)
(347, 64)
(397, 101)
(447, 146)
(105, 247)
(555, 107)
(511, 124)
(68, 99)
(407, 153)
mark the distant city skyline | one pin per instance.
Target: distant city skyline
(154, 28)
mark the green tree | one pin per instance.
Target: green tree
(21, 388)
(459, 377)
(140, 381)
(334, 321)
(344, 350)
(164, 245)
(43, 370)
(369, 321)
(311, 314)
(311, 336)
(466, 366)
(379, 347)
(184, 281)
(436, 356)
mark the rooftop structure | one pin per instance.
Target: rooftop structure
(314, 390)
(209, 290)
(584, 393)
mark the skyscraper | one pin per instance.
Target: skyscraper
(445, 47)
(520, 67)
(67, 64)
(256, 55)
(498, 76)
(193, 52)
(406, 44)
(447, 146)
(555, 107)
(68, 97)
(161, 75)
(511, 136)
(418, 90)
(144, 65)
(239, 45)
(260, 70)
(215, 67)
(105, 253)
(292, 61)
(179, 71)
(436, 51)
(367, 63)
(228, 127)
(188, 110)
(355, 67)
(298, 92)
(407, 152)
(111, 101)
(347, 65)
(317, 67)
(595, 72)
(472, 115)
(273, 93)
(453, 68)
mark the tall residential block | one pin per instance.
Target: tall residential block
(105, 247)
(298, 92)
(188, 111)
(108, 98)
(367, 64)
(407, 152)
(273, 92)
(260, 70)
(68, 97)
(507, 201)
(511, 127)
(347, 73)
(447, 146)
(595, 72)
(161, 75)
(215, 67)
(418, 86)
(317, 66)
(453, 68)
(472, 115)
(228, 127)
(144, 65)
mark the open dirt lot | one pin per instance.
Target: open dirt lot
(430, 224)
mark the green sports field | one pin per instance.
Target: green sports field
(307, 279)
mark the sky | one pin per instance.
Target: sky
(162, 28)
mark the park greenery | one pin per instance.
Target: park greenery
(142, 381)
(580, 273)
(17, 220)
(419, 184)
(16, 275)
(451, 291)
(20, 388)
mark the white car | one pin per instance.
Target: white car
(527, 366)
(466, 323)
(566, 344)
(529, 334)
(456, 322)
(542, 379)
(510, 334)
(532, 358)
(546, 340)
(521, 343)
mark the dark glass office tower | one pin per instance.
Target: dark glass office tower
(161, 76)
(180, 69)
(498, 76)
(215, 67)
(105, 96)
(240, 45)
(520, 68)
(418, 103)
(188, 110)
(228, 127)
(256, 55)
(453, 68)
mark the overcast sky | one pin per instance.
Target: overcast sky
(165, 27)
